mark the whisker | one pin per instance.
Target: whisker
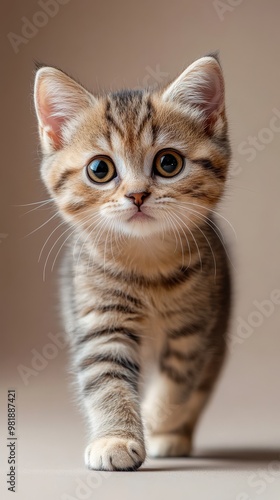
(180, 239)
(171, 225)
(211, 221)
(93, 245)
(209, 244)
(194, 239)
(212, 211)
(45, 265)
(111, 243)
(66, 239)
(36, 208)
(214, 259)
(94, 218)
(105, 246)
(42, 225)
(119, 238)
(34, 203)
(217, 232)
(91, 216)
(68, 229)
(54, 230)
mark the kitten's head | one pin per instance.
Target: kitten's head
(137, 162)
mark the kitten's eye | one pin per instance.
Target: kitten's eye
(168, 163)
(101, 169)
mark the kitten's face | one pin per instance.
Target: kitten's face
(135, 162)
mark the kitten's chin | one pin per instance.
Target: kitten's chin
(141, 225)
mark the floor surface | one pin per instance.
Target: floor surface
(236, 456)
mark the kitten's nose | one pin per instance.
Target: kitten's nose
(138, 198)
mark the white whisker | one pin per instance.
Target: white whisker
(209, 210)
(42, 225)
(68, 229)
(211, 223)
(180, 239)
(94, 218)
(46, 261)
(49, 237)
(167, 216)
(209, 244)
(194, 239)
(49, 200)
(43, 204)
(93, 244)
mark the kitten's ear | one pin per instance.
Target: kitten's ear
(58, 101)
(199, 90)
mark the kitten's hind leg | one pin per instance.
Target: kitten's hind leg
(171, 411)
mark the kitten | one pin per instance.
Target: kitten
(146, 290)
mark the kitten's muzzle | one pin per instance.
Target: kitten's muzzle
(138, 198)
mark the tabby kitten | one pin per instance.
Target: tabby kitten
(137, 175)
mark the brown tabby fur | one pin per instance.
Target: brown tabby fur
(146, 304)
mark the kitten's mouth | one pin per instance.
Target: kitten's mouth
(140, 216)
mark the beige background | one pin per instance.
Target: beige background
(111, 44)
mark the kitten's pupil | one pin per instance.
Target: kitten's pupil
(168, 163)
(99, 168)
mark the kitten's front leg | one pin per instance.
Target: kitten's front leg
(108, 371)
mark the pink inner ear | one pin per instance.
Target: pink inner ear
(213, 93)
(51, 123)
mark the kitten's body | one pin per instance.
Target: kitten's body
(146, 289)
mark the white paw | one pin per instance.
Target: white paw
(114, 453)
(168, 445)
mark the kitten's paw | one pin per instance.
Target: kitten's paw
(114, 453)
(169, 445)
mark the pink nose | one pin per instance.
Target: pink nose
(138, 198)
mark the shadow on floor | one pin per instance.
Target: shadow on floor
(241, 454)
(217, 460)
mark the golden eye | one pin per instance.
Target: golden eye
(168, 163)
(101, 169)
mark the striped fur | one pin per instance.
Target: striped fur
(145, 300)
